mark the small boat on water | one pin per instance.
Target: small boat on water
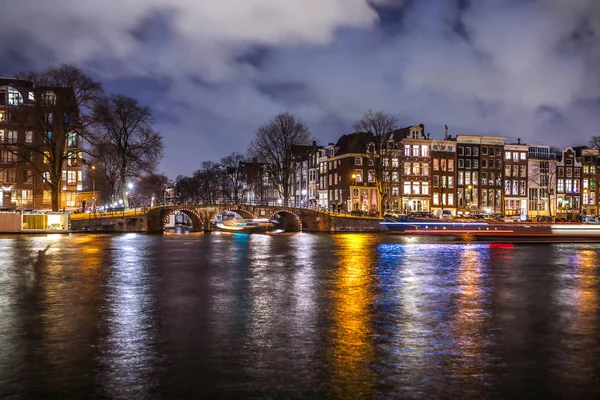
(490, 228)
(245, 225)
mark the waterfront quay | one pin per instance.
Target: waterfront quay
(356, 316)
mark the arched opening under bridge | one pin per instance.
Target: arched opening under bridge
(182, 219)
(286, 221)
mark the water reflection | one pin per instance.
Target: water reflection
(352, 347)
(128, 351)
(304, 316)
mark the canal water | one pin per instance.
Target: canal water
(296, 316)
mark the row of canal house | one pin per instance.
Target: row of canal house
(464, 174)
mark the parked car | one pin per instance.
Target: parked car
(358, 213)
(588, 219)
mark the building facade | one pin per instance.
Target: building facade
(24, 163)
(541, 181)
(443, 176)
(568, 185)
(515, 180)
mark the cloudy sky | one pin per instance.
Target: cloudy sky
(213, 70)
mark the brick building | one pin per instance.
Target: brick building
(568, 185)
(515, 180)
(443, 176)
(24, 171)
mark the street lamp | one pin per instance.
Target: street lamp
(470, 187)
(93, 188)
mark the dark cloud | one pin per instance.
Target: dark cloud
(215, 70)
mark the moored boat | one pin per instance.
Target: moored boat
(245, 225)
(435, 227)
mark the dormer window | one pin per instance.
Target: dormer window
(371, 148)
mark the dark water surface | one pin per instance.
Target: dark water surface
(301, 316)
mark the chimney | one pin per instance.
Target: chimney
(428, 135)
(519, 141)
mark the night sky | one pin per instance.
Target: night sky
(213, 70)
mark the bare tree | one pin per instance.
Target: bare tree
(125, 126)
(56, 125)
(233, 166)
(209, 182)
(273, 145)
(150, 189)
(379, 127)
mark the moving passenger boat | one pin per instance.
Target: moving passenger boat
(245, 225)
(491, 228)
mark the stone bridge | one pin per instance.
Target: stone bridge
(294, 219)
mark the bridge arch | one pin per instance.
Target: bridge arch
(238, 210)
(291, 221)
(197, 224)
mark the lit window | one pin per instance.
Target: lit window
(14, 97)
(28, 137)
(507, 155)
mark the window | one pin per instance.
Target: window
(406, 188)
(358, 161)
(416, 170)
(27, 176)
(12, 136)
(415, 187)
(395, 163)
(14, 97)
(569, 185)
(450, 181)
(436, 181)
(492, 178)
(523, 155)
(407, 150)
(577, 173)
(461, 178)
(484, 163)
(507, 171)
(561, 172)
(415, 150)
(476, 151)
(493, 151)
(484, 150)
(468, 163)
(450, 199)
(371, 176)
(450, 165)
(425, 169)
(443, 165)
(569, 172)
(370, 162)
(507, 155)
(560, 186)
(467, 151)
(358, 173)
(507, 187)
(515, 171)
(521, 188)
(31, 96)
(424, 150)
(467, 178)
(436, 164)
(475, 164)
(425, 188)
(461, 163)
(461, 151)
(436, 199)
(11, 175)
(492, 164)
(475, 178)
(2, 116)
(523, 169)
(395, 177)
(406, 169)
(569, 162)
(46, 176)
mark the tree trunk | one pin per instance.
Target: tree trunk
(124, 194)
(55, 198)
